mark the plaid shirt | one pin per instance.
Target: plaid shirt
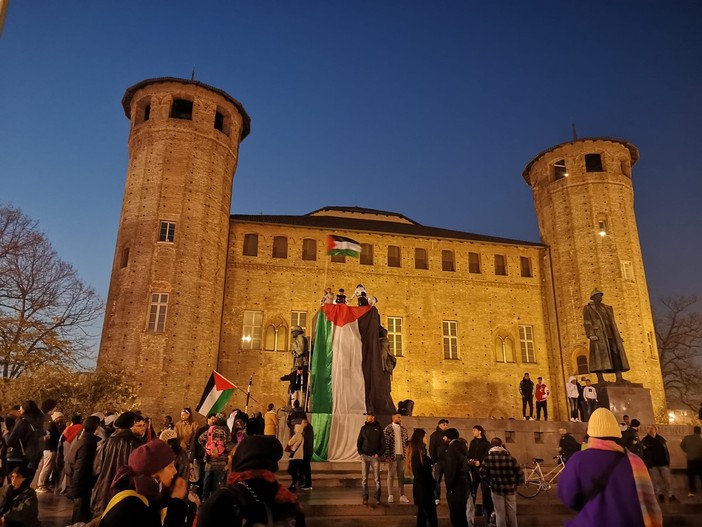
(390, 441)
(501, 471)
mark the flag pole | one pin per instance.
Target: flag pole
(248, 395)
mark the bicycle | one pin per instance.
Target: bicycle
(535, 480)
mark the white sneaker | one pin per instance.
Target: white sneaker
(403, 499)
(390, 499)
(437, 502)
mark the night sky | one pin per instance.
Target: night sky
(430, 109)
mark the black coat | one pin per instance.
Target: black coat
(371, 440)
(308, 445)
(133, 512)
(112, 454)
(80, 479)
(437, 446)
(456, 466)
(27, 438)
(655, 451)
(569, 446)
(423, 483)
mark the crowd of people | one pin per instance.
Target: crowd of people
(119, 470)
(582, 398)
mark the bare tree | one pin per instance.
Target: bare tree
(45, 308)
(679, 336)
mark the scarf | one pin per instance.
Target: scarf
(652, 515)
(282, 495)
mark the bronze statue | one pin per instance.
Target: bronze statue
(300, 350)
(606, 347)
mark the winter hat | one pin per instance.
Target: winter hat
(125, 420)
(56, 416)
(451, 434)
(257, 452)
(602, 423)
(143, 463)
(168, 434)
(110, 419)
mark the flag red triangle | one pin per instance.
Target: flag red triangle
(223, 384)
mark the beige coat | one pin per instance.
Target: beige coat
(296, 443)
(271, 426)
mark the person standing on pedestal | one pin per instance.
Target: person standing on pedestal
(606, 346)
(526, 390)
(590, 395)
(541, 392)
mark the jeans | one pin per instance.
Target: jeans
(438, 475)
(660, 476)
(374, 464)
(505, 509)
(212, 481)
(590, 406)
(541, 405)
(573, 401)
(527, 401)
(396, 469)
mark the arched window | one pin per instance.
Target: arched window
(276, 336)
(504, 349)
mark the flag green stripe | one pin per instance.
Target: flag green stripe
(321, 386)
(344, 252)
(321, 423)
(221, 402)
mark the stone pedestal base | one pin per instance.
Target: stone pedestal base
(630, 399)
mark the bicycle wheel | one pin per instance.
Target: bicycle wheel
(531, 485)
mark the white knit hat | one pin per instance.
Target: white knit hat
(602, 423)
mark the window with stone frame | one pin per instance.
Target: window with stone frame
(250, 245)
(366, 257)
(157, 313)
(166, 232)
(394, 256)
(450, 338)
(504, 348)
(252, 330)
(593, 163)
(280, 247)
(421, 260)
(559, 170)
(448, 262)
(526, 343)
(500, 265)
(395, 336)
(309, 249)
(182, 109)
(627, 271)
(299, 318)
(525, 264)
(276, 336)
(474, 263)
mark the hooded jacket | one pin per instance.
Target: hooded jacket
(371, 441)
(572, 389)
(112, 454)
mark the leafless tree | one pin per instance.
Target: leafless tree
(45, 309)
(679, 336)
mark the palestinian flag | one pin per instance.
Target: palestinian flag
(217, 392)
(338, 245)
(347, 379)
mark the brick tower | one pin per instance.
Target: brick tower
(164, 307)
(584, 201)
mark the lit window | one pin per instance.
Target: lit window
(182, 109)
(526, 342)
(366, 257)
(395, 336)
(450, 333)
(525, 266)
(394, 256)
(602, 227)
(250, 245)
(500, 265)
(309, 249)
(298, 318)
(627, 271)
(251, 331)
(167, 231)
(421, 261)
(157, 312)
(447, 261)
(593, 163)
(474, 263)
(280, 247)
(504, 349)
(559, 170)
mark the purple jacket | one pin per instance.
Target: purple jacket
(617, 504)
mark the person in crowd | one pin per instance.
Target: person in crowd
(271, 421)
(541, 393)
(590, 397)
(239, 431)
(607, 484)
(295, 447)
(80, 479)
(423, 482)
(657, 459)
(630, 437)
(295, 417)
(27, 437)
(19, 506)
(186, 428)
(477, 452)
(197, 453)
(526, 390)
(67, 440)
(112, 454)
(260, 424)
(182, 460)
(692, 446)
(308, 451)
(253, 496)
(168, 424)
(437, 451)
(396, 441)
(502, 473)
(567, 445)
(573, 394)
(13, 456)
(456, 476)
(371, 447)
(107, 427)
(144, 487)
(139, 428)
(217, 445)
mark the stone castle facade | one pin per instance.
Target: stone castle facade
(194, 288)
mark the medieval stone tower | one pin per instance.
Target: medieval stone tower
(171, 251)
(584, 201)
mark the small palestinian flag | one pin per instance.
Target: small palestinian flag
(347, 379)
(217, 392)
(340, 246)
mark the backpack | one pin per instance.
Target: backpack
(247, 509)
(214, 447)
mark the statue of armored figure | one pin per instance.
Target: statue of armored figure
(300, 349)
(606, 346)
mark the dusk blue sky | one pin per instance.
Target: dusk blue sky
(427, 108)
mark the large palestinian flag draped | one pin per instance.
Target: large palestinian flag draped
(347, 378)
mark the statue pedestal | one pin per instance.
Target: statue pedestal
(626, 398)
